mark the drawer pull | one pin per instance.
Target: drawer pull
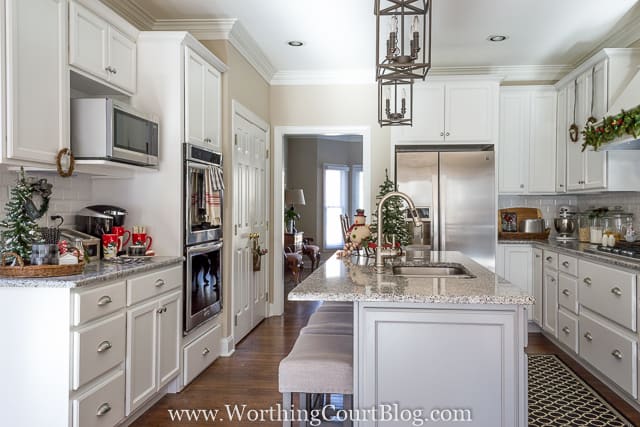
(104, 300)
(566, 330)
(103, 409)
(566, 292)
(104, 346)
(616, 291)
(552, 279)
(587, 280)
(205, 351)
(159, 283)
(617, 354)
(565, 264)
(537, 256)
(588, 336)
(549, 259)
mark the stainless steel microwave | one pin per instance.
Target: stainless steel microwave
(107, 129)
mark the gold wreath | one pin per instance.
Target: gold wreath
(72, 163)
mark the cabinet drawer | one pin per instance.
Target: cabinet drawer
(102, 406)
(609, 292)
(98, 302)
(550, 259)
(98, 348)
(568, 264)
(610, 352)
(201, 353)
(568, 292)
(568, 330)
(152, 284)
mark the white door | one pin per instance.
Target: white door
(575, 157)
(194, 97)
(122, 60)
(468, 112)
(428, 115)
(537, 285)
(142, 327)
(37, 80)
(550, 302)
(517, 268)
(561, 140)
(212, 110)
(88, 37)
(595, 105)
(169, 333)
(250, 206)
(514, 142)
(542, 142)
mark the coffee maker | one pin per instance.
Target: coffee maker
(99, 219)
(565, 224)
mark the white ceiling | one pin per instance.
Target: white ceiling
(340, 34)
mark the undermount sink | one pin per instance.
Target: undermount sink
(436, 270)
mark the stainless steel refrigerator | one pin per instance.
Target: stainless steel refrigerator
(454, 188)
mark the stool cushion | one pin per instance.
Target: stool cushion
(335, 308)
(318, 364)
(319, 318)
(328, 329)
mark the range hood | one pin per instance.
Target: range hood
(628, 99)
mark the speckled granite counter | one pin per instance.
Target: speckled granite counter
(354, 279)
(583, 250)
(95, 272)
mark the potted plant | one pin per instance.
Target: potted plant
(290, 218)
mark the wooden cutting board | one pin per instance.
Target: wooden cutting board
(521, 214)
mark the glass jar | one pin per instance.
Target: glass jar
(595, 230)
(615, 223)
(583, 227)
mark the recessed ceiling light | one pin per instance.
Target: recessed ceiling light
(497, 38)
(295, 43)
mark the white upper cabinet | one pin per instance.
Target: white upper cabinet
(37, 80)
(527, 147)
(562, 135)
(451, 110)
(202, 102)
(101, 50)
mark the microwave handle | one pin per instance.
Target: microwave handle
(204, 248)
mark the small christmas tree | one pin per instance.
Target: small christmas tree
(20, 230)
(393, 213)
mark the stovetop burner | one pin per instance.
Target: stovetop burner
(625, 249)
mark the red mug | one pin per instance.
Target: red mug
(120, 231)
(110, 245)
(141, 239)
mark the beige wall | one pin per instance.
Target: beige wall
(355, 105)
(243, 84)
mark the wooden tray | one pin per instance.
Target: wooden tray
(37, 271)
(521, 214)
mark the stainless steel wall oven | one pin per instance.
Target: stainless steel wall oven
(203, 201)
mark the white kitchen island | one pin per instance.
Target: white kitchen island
(445, 344)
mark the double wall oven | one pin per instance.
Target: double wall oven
(203, 191)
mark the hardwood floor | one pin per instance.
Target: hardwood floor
(250, 376)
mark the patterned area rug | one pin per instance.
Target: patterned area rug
(558, 397)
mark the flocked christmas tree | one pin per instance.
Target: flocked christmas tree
(20, 231)
(393, 213)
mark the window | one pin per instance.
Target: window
(336, 199)
(357, 188)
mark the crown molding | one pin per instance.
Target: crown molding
(133, 13)
(223, 29)
(323, 77)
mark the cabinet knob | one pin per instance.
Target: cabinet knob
(159, 283)
(587, 280)
(103, 409)
(104, 346)
(588, 336)
(552, 279)
(565, 264)
(205, 351)
(441, 133)
(537, 256)
(561, 185)
(162, 310)
(566, 292)
(107, 69)
(114, 70)
(617, 354)
(566, 330)
(616, 291)
(549, 259)
(521, 185)
(447, 134)
(104, 300)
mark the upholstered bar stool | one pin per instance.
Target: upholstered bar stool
(324, 318)
(317, 364)
(335, 306)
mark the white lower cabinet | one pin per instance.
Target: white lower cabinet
(550, 302)
(101, 406)
(568, 329)
(201, 353)
(514, 264)
(610, 350)
(153, 340)
(537, 286)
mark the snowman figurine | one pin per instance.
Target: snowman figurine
(359, 231)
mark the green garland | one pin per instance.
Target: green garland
(627, 122)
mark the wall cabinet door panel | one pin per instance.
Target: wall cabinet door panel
(513, 147)
(122, 60)
(89, 36)
(542, 143)
(428, 114)
(468, 112)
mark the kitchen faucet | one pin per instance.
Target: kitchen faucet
(391, 252)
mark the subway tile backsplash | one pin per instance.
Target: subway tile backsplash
(68, 197)
(548, 205)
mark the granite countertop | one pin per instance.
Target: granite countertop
(584, 250)
(354, 279)
(94, 272)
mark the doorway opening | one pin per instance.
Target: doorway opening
(309, 159)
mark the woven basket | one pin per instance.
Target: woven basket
(34, 271)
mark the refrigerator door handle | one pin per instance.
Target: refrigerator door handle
(435, 214)
(443, 212)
